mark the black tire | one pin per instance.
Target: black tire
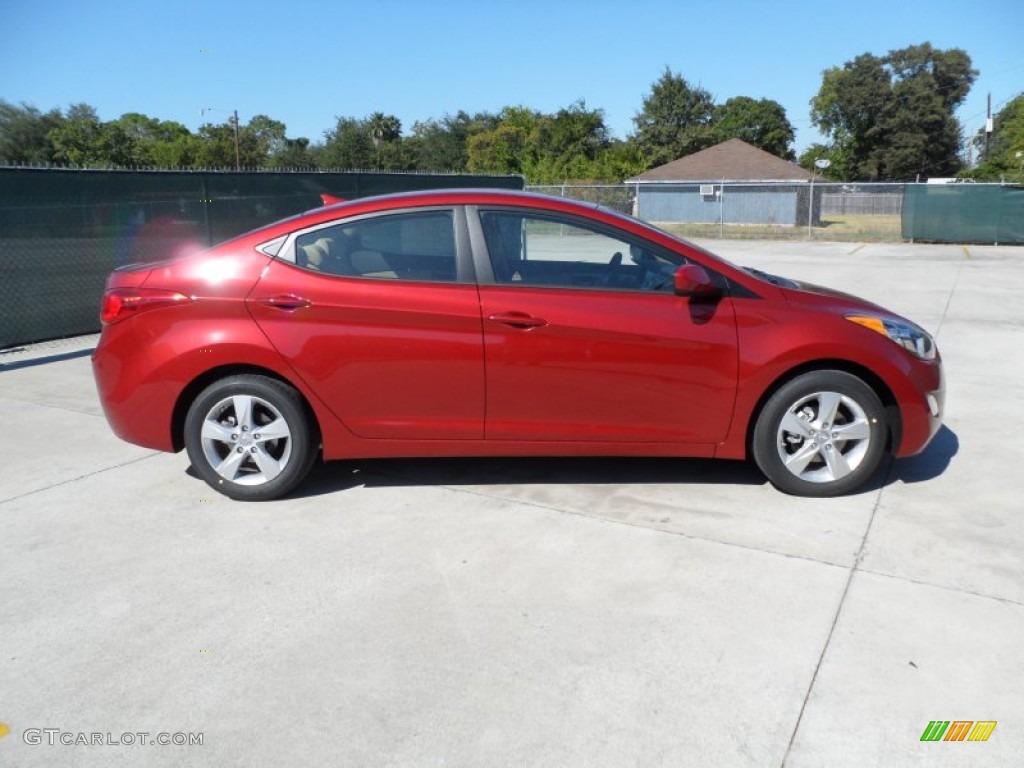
(254, 465)
(804, 451)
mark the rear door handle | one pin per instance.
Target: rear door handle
(517, 320)
(288, 302)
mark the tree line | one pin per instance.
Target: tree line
(886, 118)
(573, 143)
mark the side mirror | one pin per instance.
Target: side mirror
(693, 280)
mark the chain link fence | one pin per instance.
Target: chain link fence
(856, 212)
(618, 197)
(754, 210)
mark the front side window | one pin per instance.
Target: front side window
(540, 250)
(406, 246)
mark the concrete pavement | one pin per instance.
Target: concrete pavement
(529, 612)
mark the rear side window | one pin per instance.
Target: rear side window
(406, 246)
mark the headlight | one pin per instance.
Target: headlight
(913, 339)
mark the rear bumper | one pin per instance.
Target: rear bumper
(137, 404)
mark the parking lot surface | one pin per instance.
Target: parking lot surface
(498, 612)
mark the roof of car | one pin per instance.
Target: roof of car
(463, 195)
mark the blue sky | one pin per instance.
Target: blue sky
(307, 63)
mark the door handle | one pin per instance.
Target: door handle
(288, 302)
(517, 320)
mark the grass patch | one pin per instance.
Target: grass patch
(845, 227)
(859, 227)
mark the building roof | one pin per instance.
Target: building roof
(732, 160)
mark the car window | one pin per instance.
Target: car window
(544, 250)
(407, 246)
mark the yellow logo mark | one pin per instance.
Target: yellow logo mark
(982, 730)
(4, 729)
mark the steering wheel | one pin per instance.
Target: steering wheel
(656, 280)
(610, 277)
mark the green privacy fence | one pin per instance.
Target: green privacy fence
(63, 231)
(964, 213)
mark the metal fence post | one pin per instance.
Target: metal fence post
(810, 209)
(721, 210)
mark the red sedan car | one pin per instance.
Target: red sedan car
(491, 323)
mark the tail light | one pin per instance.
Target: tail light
(119, 303)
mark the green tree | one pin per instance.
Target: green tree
(508, 147)
(892, 117)
(621, 160)
(156, 143)
(140, 133)
(174, 146)
(349, 145)
(822, 152)
(295, 153)
(675, 120)
(498, 151)
(268, 135)
(760, 122)
(83, 140)
(25, 134)
(566, 145)
(79, 140)
(217, 146)
(384, 128)
(1004, 145)
(572, 144)
(386, 132)
(255, 140)
(443, 144)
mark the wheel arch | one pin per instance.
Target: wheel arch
(869, 377)
(201, 382)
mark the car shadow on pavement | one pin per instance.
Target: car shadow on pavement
(14, 365)
(931, 463)
(341, 475)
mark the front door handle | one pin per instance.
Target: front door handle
(517, 320)
(288, 302)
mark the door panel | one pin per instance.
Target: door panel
(395, 350)
(390, 359)
(608, 366)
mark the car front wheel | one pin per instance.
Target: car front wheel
(249, 437)
(821, 434)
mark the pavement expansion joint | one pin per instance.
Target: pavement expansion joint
(99, 471)
(638, 526)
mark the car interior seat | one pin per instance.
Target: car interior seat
(313, 256)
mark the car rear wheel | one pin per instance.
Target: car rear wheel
(821, 434)
(249, 437)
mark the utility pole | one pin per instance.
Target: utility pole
(988, 126)
(238, 163)
(234, 123)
